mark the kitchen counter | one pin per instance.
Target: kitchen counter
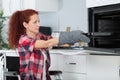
(86, 51)
(76, 51)
(101, 51)
(68, 51)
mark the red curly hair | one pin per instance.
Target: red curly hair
(16, 28)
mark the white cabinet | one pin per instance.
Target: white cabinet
(74, 76)
(103, 67)
(41, 5)
(74, 67)
(95, 3)
(75, 63)
(56, 61)
(10, 6)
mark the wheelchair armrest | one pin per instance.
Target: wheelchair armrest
(11, 73)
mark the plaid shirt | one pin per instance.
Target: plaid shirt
(31, 59)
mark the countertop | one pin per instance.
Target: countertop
(86, 51)
(76, 51)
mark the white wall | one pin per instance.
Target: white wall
(72, 13)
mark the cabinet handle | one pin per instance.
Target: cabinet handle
(72, 63)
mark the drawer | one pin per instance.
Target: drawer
(73, 76)
(75, 63)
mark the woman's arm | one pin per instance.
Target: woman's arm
(65, 37)
(47, 43)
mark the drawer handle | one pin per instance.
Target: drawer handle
(72, 63)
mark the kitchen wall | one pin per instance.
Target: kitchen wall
(72, 13)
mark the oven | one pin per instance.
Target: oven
(104, 26)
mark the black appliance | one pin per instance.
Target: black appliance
(45, 30)
(104, 26)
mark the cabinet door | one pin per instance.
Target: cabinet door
(75, 63)
(74, 76)
(25, 5)
(41, 5)
(10, 6)
(103, 67)
(56, 61)
(47, 5)
(95, 3)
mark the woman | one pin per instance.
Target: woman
(32, 45)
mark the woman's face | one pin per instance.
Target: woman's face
(33, 25)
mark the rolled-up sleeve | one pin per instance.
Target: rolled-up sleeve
(27, 43)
